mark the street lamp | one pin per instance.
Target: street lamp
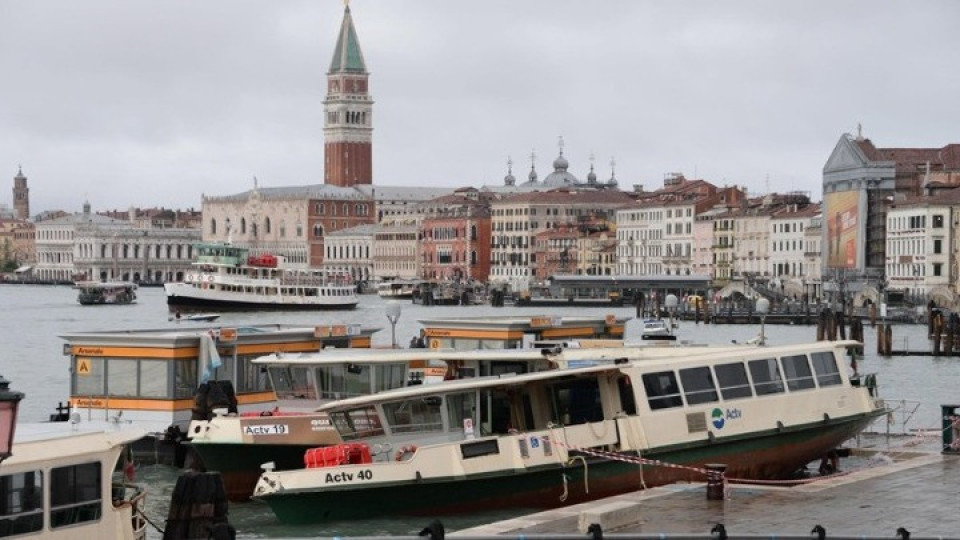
(393, 315)
(763, 306)
(9, 403)
(671, 304)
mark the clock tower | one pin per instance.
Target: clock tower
(348, 113)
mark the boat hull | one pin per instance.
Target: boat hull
(775, 454)
(182, 301)
(239, 463)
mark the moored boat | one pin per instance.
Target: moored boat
(657, 329)
(397, 288)
(225, 276)
(64, 481)
(554, 438)
(109, 292)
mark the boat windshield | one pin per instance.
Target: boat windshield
(416, 415)
(335, 381)
(357, 423)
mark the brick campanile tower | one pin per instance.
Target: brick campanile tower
(21, 196)
(348, 113)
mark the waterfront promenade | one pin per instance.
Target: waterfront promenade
(917, 490)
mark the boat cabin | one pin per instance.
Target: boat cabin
(110, 292)
(513, 332)
(151, 376)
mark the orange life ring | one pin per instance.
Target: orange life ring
(404, 450)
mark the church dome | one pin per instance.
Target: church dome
(509, 180)
(591, 176)
(560, 176)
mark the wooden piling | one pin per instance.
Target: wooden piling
(937, 332)
(821, 325)
(888, 340)
(881, 351)
(873, 315)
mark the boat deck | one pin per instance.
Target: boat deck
(917, 490)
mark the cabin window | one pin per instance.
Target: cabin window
(463, 406)
(357, 423)
(387, 376)
(698, 385)
(825, 366)
(796, 369)
(74, 494)
(290, 382)
(122, 377)
(766, 376)
(576, 402)
(153, 378)
(185, 378)
(628, 402)
(249, 376)
(662, 390)
(338, 382)
(414, 415)
(733, 380)
(89, 375)
(21, 507)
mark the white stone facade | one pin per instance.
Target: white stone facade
(349, 252)
(639, 240)
(918, 247)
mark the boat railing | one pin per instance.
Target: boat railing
(136, 502)
(898, 421)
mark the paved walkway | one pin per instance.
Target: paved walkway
(919, 491)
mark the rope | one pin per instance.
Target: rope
(586, 475)
(145, 518)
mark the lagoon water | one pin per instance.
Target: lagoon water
(31, 358)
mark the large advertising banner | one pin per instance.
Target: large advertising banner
(841, 216)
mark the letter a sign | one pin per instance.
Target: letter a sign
(83, 366)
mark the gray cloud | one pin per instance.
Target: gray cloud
(136, 103)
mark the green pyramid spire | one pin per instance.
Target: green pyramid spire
(347, 56)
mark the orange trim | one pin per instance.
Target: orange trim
(137, 352)
(159, 404)
(567, 332)
(299, 346)
(481, 334)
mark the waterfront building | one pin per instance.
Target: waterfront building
(812, 280)
(455, 236)
(396, 251)
(859, 180)
(517, 219)
(348, 113)
(289, 222)
(21, 196)
(25, 245)
(919, 254)
(788, 248)
(400, 204)
(349, 253)
(705, 258)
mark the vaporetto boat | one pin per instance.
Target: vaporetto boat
(554, 438)
(225, 276)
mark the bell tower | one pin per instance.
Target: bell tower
(348, 113)
(21, 196)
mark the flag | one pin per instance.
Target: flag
(129, 470)
(209, 356)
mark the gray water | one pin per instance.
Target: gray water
(31, 357)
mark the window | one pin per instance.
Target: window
(937, 269)
(662, 390)
(153, 378)
(185, 378)
(576, 402)
(938, 247)
(733, 381)
(74, 494)
(937, 221)
(122, 377)
(698, 385)
(796, 369)
(89, 376)
(21, 508)
(766, 376)
(825, 366)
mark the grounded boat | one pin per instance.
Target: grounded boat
(62, 481)
(111, 292)
(560, 437)
(227, 277)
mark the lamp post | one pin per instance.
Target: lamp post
(9, 403)
(763, 306)
(671, 304)
(393, 315)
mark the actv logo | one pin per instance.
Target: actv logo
(717, 416)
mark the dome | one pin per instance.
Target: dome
(591, 176)
(560, 176)
(532, 177)
(560, 163)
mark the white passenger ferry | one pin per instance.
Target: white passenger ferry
(560, 437)
(228, 277)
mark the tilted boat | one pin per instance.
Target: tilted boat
(225, 276)
(105, 292)
(554, 438)
(62, 481)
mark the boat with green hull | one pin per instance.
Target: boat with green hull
(549, 439)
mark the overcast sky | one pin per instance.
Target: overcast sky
(155, 103)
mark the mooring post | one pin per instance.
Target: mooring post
(880, 340)
(716, 483)
(888, 340)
